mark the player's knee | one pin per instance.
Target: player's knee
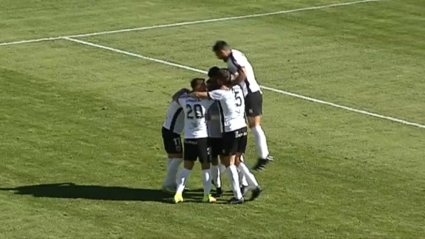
(175, 156)
(188, 164)
(214, 161)
(231, 160)
(226, 161)
(205, 165)
(237, 162)
(254, 121)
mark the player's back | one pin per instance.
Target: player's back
(237, 60)
(214, 122)
(175, 118)
(195, 125)
(232, 108)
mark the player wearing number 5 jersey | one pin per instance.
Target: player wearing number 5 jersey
(234, 131)
(196, 140)
(239, 65)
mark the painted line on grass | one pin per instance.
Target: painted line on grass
(263, 87)
(187, 23)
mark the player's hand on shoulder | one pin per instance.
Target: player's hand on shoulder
(192, 94)
(179, 93)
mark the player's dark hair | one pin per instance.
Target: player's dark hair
(213, 72)
(225, 76)
(211, 85)
(220, 45)
(196, 82)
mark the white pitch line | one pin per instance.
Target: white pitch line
(135, 55)
(188, 23)
(263, 87)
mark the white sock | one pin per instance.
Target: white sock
(173, 169)
(184, 177)
(260, 141)
(169, 161)
(252, 182)
(242, 178)
(222, 169)
(206, 177)
(234, 179)
(216, 175)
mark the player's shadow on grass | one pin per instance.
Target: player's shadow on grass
(93, 192)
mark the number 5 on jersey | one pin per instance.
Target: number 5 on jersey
(238, 98)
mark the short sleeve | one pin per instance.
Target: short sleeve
(238, 59)
(181, 101)
(216, 94)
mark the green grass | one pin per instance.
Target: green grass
(81, 153)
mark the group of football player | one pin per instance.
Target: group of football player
(214, 115)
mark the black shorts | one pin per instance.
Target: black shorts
(235, 142)
(172, 142)
(254, 104)
(197, 148)
(216, 146)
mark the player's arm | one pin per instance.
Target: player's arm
(199, 95)
(241, 76)
(240, 61)
(177, 95)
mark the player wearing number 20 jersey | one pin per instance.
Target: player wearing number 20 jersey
(196, 140)
(195, 128)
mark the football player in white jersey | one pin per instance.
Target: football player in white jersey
(196, 140)
(234, 131)
(215, 143)
(171, 130)
(239, 65)
(215, 140)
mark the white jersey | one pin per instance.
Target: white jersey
(175, 118)
(195, 124)
(238, 60)
(232, 108)
(214, 123)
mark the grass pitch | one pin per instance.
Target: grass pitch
(81, 153)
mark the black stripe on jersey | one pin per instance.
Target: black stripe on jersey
(247, 86)
(233, 59)
(175, 116)
(220, 109)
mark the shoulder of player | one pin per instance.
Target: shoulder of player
(220, 92)
(216, 91)
(174, 104)
(237, 87)
(237, 54)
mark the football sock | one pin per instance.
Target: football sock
(222, 168)
(216, 175)
(184, 177)
(173, 169)
(206, 178)
(242, 178)
(169, 161)
(234, 179)
(260, 141)
(252, 182)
